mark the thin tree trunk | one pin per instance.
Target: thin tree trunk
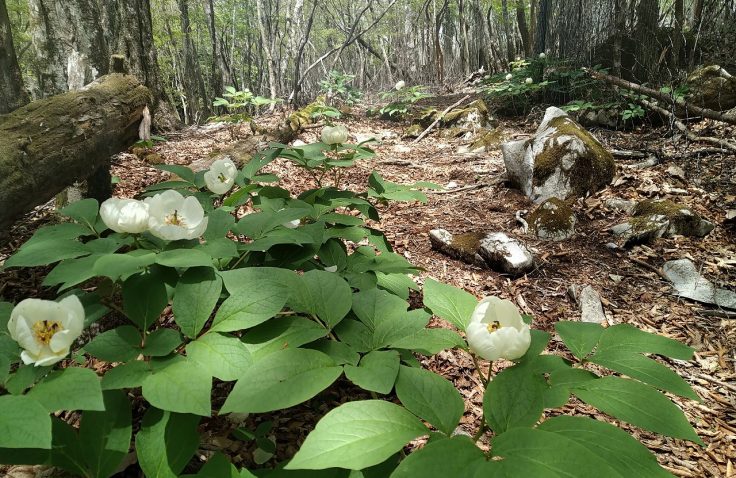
(507, 31)
(266, 46)
(194, 83)
(217, 67)
(294, 97)
(484, 43)
(12, 93)
(695, 29)
(647, 16)
(677, 33)
(523, 28)
(465, 50)
(541, 30)
(620, 22)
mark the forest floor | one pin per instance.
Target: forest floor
(631, 291)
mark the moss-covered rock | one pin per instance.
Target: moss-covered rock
(712, 87)
(413, 131)
(463, 247)
(426, 117)
(653, 219)
(471, 117)
(552, 220)
(486, 140)
(562, 160)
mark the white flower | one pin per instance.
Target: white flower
(292, 224)
(46, 329)
(528, 81)
(496, 330)
(221, 176)
(125, 215)
(331, 269)
(542, 56)
(399, 85)
(334, 134)
(173, 217)
(509, 76)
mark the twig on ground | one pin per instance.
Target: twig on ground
(721, 314)
(442, 115)
(648, 266)
(469, 188)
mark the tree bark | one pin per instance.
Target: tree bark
(620, 23)
(465, 51)
(540, 45)
(12, 92)
(507, 31)
(677, 33)
(49, 144)
(217, 67)
(647, 22)
(523, 28)
(266, 44)
(193, 81)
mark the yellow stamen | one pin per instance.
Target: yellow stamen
(222, 178)
(174, 219)
(45, 329)
(493, 326)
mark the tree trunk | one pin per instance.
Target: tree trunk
(620, 25)
(193, 81)
(132, 37)
(12, 93)
(465, 50)
(677, 33)
(647, 21)
(266, 44)
(69, 44)
(523, 28)
(541, 30)
(218, 69)
(484, 43)
(49, 144)
(695, 29)
(507, 31)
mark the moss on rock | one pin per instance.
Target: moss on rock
(413, 131)
(554, 219)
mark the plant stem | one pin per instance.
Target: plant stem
(481, 430)
(483, 378)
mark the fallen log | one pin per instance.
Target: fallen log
(49, 144)
(726, 117)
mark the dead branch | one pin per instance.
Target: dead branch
(439, 118)
(471, 187)
(689, 134)
(646, 265)
(729, 118)
(721, 314)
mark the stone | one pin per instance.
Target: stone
(618, 204)
(552, 220)
(413, 131)
(485, 140)
(472, 117)
(400, 148)
(712, 87)
(561, 160)
(506, 254)
(463, 247)
(607, 118)
(591, 308)
(688, 283)
(653, 219)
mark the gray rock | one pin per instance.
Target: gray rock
(591, 308)
(561, 160)
(552, 220)
(463, 247)
(506, 254)
(688, 283)
(619, 204)
(661, 218)
(713, 87)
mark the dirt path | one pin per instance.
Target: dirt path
(631, 293)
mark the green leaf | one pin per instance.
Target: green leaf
(579, 337)
(117, 345)
(127, 375)
(430, 341)
(397, 284)
(514, 398)
(24, 423)
(182, 386)
(281, 380)
(144, 298)
(84, 212)
(619, 449)
(280, 333)
(451, 457)
(72, 388)
(71, 272)
(638, 404)
(645, 369)
(324, 294)
(184, 258)
(449, 303)
(183, 172)
(628, 338)
(161, 342)
(222, 356)
(256, 295)
(117, 266)
(105, 436)
(24, 377)
(340, 352)
(196, 295)
(377, 371)
(6, 309)
(44, 252)
(542, 454)
(66, 451)
(357, 435)
(218, 467)
(430, 397)
(386, 316)
(166, 443)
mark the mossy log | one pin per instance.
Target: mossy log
(49, 144)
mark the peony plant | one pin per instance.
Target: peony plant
(275, 306)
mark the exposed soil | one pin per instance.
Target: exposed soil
(631, 291)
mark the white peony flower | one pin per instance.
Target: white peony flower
(125, 215)
(399, 85)
(334, 134)
(542, 56)
(46, 329)
(528, 81)
(221, 176)
(509, 77)
(496, 330)
(173, 217)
